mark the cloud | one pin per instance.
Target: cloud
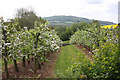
(107, 10)
(94, 1)
(119, 12)
(93, 9)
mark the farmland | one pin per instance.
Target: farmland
(109, 26)
(89, 50)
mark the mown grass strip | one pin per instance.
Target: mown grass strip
(68, 54)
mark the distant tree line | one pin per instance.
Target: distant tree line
(66, 32)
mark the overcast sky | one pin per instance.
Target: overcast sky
(106, 10)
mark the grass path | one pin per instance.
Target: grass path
(68, 54)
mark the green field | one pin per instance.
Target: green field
(68, 54)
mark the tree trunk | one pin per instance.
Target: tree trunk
(15, 65)
(35, 66)
(44, 57)
(5, 54)
(6, 69)
(36, 57)
(24, 65)
(28, 58)
(39, 64)
(32, 58)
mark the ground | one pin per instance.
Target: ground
(46, 71)
(85, 50)
(48, 68)
(68, 56)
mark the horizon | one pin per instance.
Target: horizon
(79, 17)
(67, 15)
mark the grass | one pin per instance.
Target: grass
(67, 55)
(69, 22)
(9, 62)
(66, 41)
(55, 21)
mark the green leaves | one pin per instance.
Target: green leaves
(105, 58)
(22, 43)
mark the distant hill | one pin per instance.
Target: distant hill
(68, 20)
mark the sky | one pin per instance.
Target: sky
(106, 10)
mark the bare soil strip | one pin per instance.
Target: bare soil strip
(86, 51)
(46, 71)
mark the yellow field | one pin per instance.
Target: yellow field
(109, 26)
